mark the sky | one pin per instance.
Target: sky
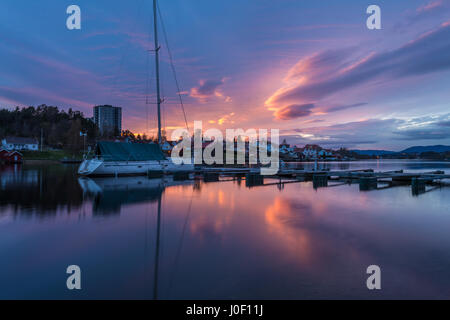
(311, 69)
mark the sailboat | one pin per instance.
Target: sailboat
(126, 159)
(121, 158)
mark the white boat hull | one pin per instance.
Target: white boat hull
(97, 167)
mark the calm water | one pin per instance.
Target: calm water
(220, 240)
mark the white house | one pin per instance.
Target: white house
(19, 143)
(288, 150)
(311, 151)
(325, 153)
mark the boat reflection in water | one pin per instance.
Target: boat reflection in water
(109, 194)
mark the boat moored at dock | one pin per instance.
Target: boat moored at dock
(125, 159)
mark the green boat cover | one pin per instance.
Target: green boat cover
(122, 151)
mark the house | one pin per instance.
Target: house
(314, 151)
(299, 153)
(3, 153)
(286, 148)
(325, 153)
(287, 152)
(19, 143)
(10, 156)
(311, 151)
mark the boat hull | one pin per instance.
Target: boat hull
(96, 167)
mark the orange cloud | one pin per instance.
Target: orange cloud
(225, 119)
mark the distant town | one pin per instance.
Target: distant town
(48, 133)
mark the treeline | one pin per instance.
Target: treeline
(60, 129)
(431, 155)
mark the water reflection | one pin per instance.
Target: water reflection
(38, 190)
(110, 194)
(377, 165)
(163, 239)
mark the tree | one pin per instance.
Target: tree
(58, 127)
(74, 139)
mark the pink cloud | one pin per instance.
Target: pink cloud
(326, 73)
(209, 89)
(430, 6)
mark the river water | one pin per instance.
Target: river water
(163, 239)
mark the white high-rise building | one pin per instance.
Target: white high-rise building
(108, 119)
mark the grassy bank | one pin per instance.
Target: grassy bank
(54, 155)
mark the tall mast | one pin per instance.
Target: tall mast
(158, 93)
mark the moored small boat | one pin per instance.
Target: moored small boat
(126, 159)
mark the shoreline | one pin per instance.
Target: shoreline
(360, 160)
(41, 161)
(54, 161)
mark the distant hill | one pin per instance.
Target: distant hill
(415, 149)
(420, 149)
(373, 152)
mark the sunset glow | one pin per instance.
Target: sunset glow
(314, 73)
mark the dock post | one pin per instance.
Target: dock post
(320, 180)
(368, 183)
(210, 177)
(181, 175)
(308, 176)
(418, 186)
(253, 180)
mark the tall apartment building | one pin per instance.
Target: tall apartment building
(108, 119)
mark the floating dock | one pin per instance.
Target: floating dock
(367, 179)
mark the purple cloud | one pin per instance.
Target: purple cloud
(346, 106)
(294, 111)
(208, 89)
(374, 131)
(427, 54)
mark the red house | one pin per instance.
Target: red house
(3, 153)
(10, 156)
